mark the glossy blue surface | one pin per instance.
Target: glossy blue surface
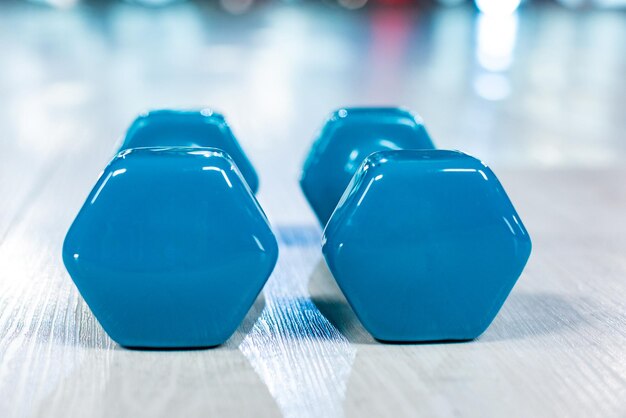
(349, 136)
(171, 248)
(189, 128)
(425, 245)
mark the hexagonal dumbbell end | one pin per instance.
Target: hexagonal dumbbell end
(425, 245)
(189, 128)
(346, 139)
(171, 248)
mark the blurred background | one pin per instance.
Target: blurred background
(535, 84)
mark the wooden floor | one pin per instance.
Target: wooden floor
(71, 82)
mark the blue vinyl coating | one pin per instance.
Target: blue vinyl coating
(350, 135)
(189, 128)
(170, 248)
(425, 245)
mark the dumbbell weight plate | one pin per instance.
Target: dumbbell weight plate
(425, 245)
(350, 135)
(170, 248)
(189, 128)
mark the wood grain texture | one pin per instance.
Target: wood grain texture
(556, 348)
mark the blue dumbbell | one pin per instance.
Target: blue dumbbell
(189, 128)
(349, 136)
(171, 248)
(425, 244)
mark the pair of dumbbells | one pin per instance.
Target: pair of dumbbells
(424, 243)
(171, 247)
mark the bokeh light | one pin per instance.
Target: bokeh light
(497, 7)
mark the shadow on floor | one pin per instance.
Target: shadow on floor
(330, 301)
(523, 315)
(526, 314)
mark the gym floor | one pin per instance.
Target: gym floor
(539, 95)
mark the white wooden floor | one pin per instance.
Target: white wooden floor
(70, 83)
